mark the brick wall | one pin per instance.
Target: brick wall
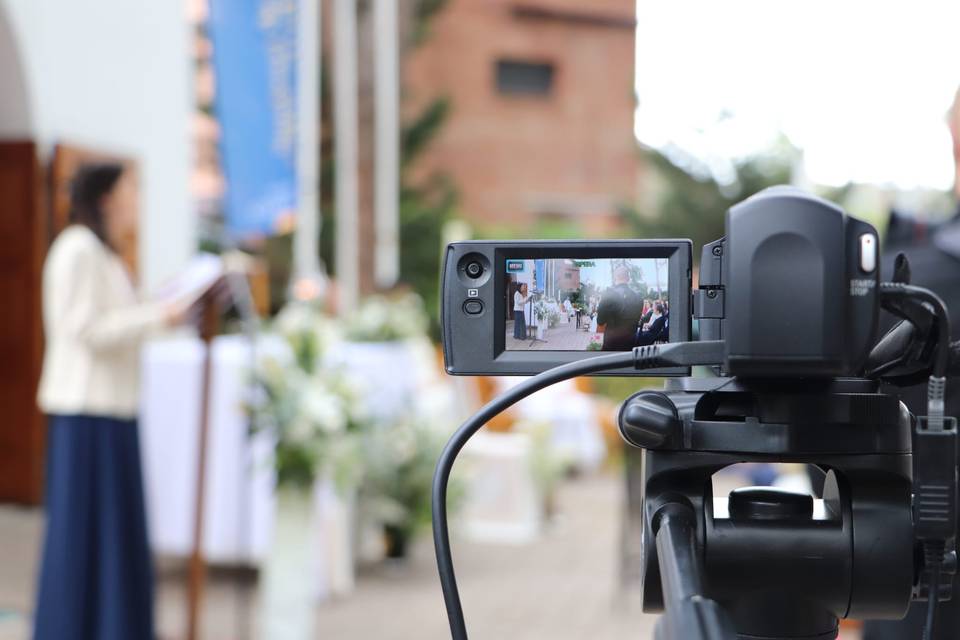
(567, 154)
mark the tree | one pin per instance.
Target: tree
(693, 206)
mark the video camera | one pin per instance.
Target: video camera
(788, 307)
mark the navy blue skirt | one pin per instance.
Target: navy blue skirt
(96, 576)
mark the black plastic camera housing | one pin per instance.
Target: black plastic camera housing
(799, 280)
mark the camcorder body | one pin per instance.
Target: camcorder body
(786, 308)
(792, 290)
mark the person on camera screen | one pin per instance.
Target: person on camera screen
(618, 314)
(656, 328)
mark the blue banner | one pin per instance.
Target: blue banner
(254, 58)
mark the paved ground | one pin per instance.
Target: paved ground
(564, 587)
(563, 337)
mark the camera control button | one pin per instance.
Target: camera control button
(473, 307)
(868, 253)
(474, 269)
(473, 293)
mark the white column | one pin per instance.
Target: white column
(345, 151)
(308, 280)
(306, 246)
(386, 143)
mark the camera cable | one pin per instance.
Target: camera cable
(647, 357)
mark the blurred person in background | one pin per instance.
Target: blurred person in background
(653, 332)
(619, 312)
(96, 576)
(647, 313)
(934, 256)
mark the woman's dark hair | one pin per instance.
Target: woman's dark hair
(90, 184)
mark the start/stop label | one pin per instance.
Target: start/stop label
(861, 286)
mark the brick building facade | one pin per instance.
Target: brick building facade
(542, 104)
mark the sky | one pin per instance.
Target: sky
(861, 87)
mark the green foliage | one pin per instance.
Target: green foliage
(425, 208)
(692, 206)
(418, 133)
(544, 228)
(423, 11)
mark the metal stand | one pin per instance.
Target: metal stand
(764, 563)
(197, 569)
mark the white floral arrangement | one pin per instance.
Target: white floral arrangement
(314, 413)
(541, 310)
(387, 319)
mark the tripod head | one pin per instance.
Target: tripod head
(778, 564)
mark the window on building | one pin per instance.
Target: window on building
(519, 78)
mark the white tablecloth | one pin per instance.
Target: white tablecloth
(239, 499)
(239, 481)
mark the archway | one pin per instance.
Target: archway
(23, 242)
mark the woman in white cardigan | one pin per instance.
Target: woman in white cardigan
(96, 577)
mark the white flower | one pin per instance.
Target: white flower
(323, 409)
(296, 317)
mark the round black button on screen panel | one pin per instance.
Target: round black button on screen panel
(473, 307)
(474, 269)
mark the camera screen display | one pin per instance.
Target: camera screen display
(586, 304)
